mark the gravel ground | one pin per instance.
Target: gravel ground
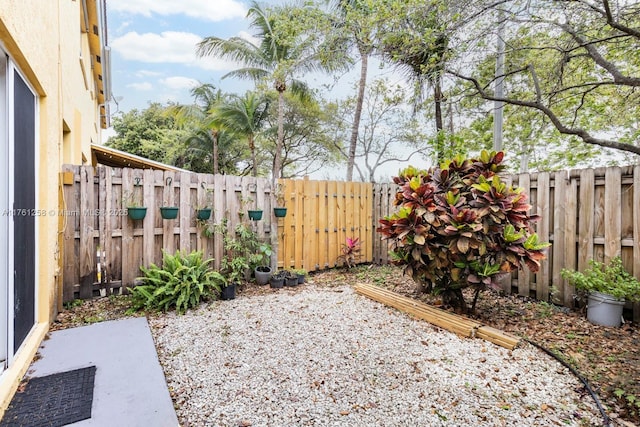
(322, 356)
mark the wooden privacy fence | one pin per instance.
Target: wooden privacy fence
(103, 247)
(586, 214)
(98, 232)
(321, 215)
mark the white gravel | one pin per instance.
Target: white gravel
(326, 356)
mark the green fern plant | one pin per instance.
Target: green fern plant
(183, 281)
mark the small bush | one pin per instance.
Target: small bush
(459, 225)
(182, 282)
(611, 279)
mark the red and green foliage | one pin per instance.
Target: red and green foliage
(350, 252)
(459, 225)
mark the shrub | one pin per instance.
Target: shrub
(611, 279)
(182, 282)
(459, 225)
(350, 252)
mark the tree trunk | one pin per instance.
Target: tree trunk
(364, 65)
(214, 137)
(437, 98)
(277, 158)
(254, 162)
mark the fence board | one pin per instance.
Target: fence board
(636, 234)
(561, 184)
(586, 218)
(612, 221)
(571, 222)
(323, 226)
(332, 223)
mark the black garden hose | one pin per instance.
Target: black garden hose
(605, 417)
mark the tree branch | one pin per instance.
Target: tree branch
(538, 105)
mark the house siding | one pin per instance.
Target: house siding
(46, 42)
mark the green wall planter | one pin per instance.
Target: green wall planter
(169, 212)
(136, 213)
(255, 215)
(203, 214)
(280, 212)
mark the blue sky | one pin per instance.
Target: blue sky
(153, 48)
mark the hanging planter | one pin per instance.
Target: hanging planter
(203, 214)
(280, 212)
(169, 212)
(136, 213)
(255, 215)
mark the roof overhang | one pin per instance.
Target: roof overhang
(119, 159)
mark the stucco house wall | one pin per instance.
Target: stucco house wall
(59, 48)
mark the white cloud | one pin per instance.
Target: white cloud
(170, 47)
(216, 10)
(147, 73)
(178, 82)
(140, 86)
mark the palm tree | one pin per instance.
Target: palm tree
(244, 115)
(277, 57)
(208, 137)
(418, 44)
(354, 28)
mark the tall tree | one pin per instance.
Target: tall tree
(282, 54)
(206, 135)
(355, 28)
(245, 115)
(390, 132)
(309, 137)
(149, 133)
(416, 39)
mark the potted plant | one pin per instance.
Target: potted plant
(169, 212)
(243, 253)
(134, 210)
(302, 274)
(280, 210)
(608, 287)
(277, 279)
(262, 271)
(203, 212)
(290, 278)
(255, 214)
(233, 270)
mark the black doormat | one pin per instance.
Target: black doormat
(52, 401)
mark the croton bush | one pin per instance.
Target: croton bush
(460, 225)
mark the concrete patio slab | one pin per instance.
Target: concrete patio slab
(130, 388)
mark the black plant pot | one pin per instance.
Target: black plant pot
(292, 280)
(276, 281)
(263, 274)
(228, 292)
(300, 278)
